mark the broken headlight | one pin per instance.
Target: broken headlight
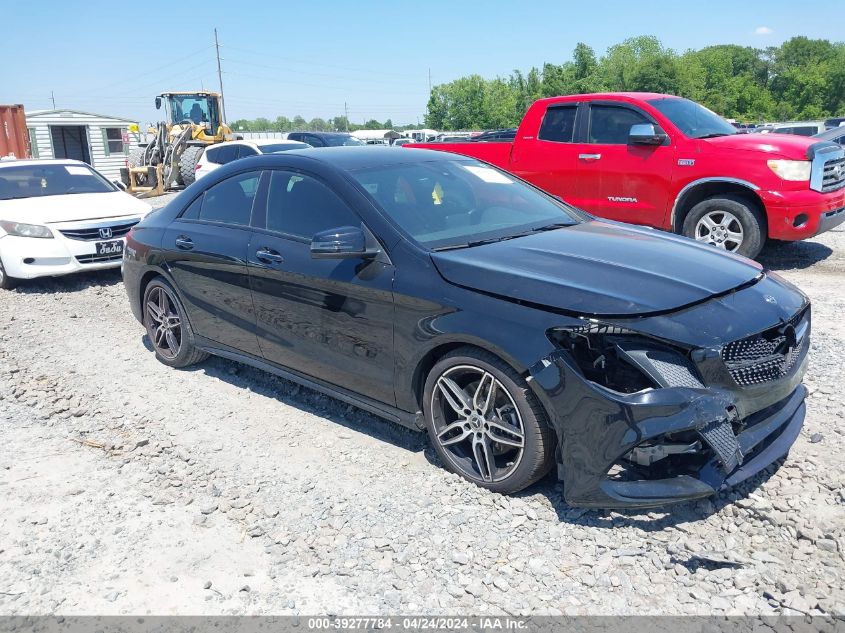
(623, 360)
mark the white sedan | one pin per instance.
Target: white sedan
(59, 217)
(222, 153)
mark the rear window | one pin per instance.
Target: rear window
(558, 124)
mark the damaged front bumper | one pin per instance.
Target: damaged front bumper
(699, 442)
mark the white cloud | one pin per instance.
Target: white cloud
(763, 30)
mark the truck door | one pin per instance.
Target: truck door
(618, 180)
(548, 160)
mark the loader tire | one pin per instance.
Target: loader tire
(136, 156)
(188, 164)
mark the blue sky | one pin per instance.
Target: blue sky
(308, 58)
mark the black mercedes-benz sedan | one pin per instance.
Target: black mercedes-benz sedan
(442, 293)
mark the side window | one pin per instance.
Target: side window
(113, 140)
(230, 201)
(558, 124)
(193, 210)
(610, 125)
(246, 150)
(302, 206)
(314, 141)
(212, 154)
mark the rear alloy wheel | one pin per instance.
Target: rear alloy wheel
(485, 423)
(169, 331)
(727, 222)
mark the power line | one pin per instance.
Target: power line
(219, 74)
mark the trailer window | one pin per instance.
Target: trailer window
(558, 124)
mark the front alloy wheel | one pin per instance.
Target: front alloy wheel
(478, 424)
(485, 423)
(721, 229)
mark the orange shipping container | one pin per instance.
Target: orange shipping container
(14, 139)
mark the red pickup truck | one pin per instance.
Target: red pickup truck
(670, 163)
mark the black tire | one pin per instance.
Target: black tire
(538, 439)
(136, 156)
(188, 164)
(6, 282)
(746, 214)
(186, 352)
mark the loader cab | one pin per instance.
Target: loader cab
(200, 108)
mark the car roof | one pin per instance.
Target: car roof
(6, 162)
(358, 157)
(258, 142)
(833, 132)
(322, 133)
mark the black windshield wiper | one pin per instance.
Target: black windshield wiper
(493, 240)
(713, 135)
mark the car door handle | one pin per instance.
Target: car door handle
(269, 256)
(184, 242)
(589, 157)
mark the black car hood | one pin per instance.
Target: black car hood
(599, 268)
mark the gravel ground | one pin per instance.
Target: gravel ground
(128, 487)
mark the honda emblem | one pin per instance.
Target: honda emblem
(105, 233)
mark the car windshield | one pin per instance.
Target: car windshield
(693, 119)
(282, 147)
(446, 204)
(342, 140)
(33, 181)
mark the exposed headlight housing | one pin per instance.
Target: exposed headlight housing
(623, 360)
(18, 229)
(791, 169)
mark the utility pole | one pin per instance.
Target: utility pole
(53, 97)
(346, 115)
(219, 75)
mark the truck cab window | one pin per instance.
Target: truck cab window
(558, 124)
(610, 125)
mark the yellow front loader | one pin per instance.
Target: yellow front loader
(193, 121)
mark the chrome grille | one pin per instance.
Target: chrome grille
(769, 355)
(99, 259)
(833, 176)
(92, 234)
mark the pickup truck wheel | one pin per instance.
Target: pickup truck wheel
(727, 222)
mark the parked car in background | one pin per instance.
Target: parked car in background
(326, 139)
(59, 217)
(800, 128)
(670, 163)
(224, 153)
(451, 138)
(494, 136)
(834, 122)
(834, 135)
(399, 142)
(442, 293)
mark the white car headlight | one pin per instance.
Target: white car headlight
(791, 169)
(19, 229)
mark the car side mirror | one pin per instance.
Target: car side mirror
(344, 242)
(119, 184)
(158, 103)
(646, 134)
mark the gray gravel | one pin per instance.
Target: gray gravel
(127, 487)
